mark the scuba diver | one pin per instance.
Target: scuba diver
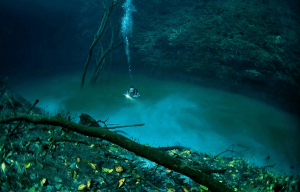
(133, 92)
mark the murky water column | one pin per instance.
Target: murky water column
(126, 29)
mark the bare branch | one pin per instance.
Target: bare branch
(97, 37)
(36, 101)
(117, 127)
(231, 149)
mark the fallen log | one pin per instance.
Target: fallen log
(144, 151)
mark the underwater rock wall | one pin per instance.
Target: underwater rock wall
(248, 47)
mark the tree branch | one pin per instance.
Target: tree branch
(117, 127)
(36, 101)
(97, 37)
(140, 150)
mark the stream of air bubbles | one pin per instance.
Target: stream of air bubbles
(126, 29)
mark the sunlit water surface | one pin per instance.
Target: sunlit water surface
(176, 113)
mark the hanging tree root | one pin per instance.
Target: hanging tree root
(141, 150)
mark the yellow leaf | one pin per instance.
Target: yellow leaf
(171, 190)
(78, 159)
(93, 165)
(81, 187)
(186, 152)
(88, 184)
(121, 181)
(3, 166)
(169, 171)
(106, 170)
(173, 152)
(119, 169)
(27, 165)
(74, 175)
(43, 181)
(185, 189)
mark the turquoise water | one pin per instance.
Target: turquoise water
(177, 113)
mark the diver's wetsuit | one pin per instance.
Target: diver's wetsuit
(133, 93)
